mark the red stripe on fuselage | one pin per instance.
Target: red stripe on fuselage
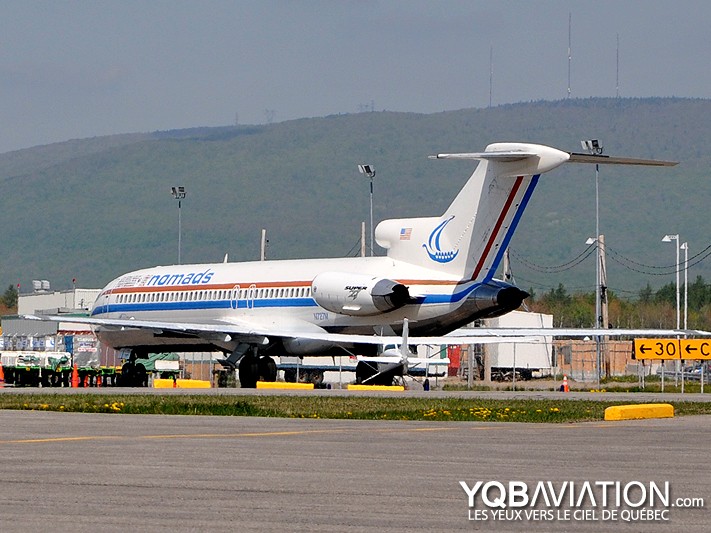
(258, 285)
(497, 227)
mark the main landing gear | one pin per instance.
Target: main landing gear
(134, 374)
(253, 368)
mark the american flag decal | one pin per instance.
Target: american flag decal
(405, 234)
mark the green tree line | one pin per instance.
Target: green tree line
(651, 309)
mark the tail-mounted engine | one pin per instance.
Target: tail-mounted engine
(495, 298)
(358, 294)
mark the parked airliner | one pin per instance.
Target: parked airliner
(438, 274)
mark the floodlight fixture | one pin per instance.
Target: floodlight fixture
(367, 170)
(593, 146)
(178, 192)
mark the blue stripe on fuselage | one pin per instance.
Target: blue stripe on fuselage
(446, 298)
(192, 306)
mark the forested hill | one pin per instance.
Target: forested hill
(91, 209)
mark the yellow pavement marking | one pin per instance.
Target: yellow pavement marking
(460, 426)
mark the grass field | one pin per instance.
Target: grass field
(365, 408)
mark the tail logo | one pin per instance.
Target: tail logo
(433, 249)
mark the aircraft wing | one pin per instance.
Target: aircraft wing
(411, 361)
(162, 326)
(259, 332)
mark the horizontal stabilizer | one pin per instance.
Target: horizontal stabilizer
(506, 157)
(607, 160)
(510, 156)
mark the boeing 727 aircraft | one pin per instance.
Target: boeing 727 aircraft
(438, 274)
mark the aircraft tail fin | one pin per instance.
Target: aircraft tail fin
(470, 238)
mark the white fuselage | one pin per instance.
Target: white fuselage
(272, 291)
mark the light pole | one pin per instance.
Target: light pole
(179, 194)
(369, 172)
(670, 238)
(685, 246)
(593, 147)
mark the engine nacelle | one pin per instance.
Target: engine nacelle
(496, 298)
(358, 294)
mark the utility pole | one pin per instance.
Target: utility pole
(604, 310)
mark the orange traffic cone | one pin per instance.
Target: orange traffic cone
(2, 377)
(565, 384)
(75, 377)
(98, 380)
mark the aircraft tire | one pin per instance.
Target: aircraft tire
(248, 372)
(267, 369)
(128, 375)
(141, 376)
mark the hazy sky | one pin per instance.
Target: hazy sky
(75, 69)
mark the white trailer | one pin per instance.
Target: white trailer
(528, 360)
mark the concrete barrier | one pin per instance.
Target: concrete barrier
(645, 410)
(284, 385)
(376, 387)
(181, 384)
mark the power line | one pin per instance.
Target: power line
(556, 268)
(653, 269)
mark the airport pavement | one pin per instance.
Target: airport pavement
(102, 472)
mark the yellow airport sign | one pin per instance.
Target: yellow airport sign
(657, 349)
(672, 349)
(695, 348)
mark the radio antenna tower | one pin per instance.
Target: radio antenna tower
(491, 72)
(617, 81)
(570, 56)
